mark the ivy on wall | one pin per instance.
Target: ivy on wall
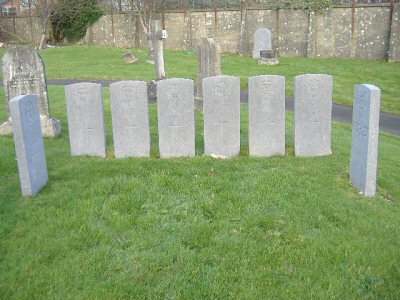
(72, 17)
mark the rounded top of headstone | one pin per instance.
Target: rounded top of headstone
(262, 31)
(311, 76)
(371, 87)
(21, 51)
(123, 83)
(86, 84)
(172, 80)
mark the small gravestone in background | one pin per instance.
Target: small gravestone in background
(221, 96)
(85, 110)
(130, 119)
(209, 62)
(262, 41)
(313, 114)
(29, 146)
(176, 123)
(364, 149)
(267, 115)
(24, 74)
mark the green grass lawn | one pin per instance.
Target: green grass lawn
(195, 228)
(83, 62)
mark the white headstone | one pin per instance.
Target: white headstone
(267, 115)
(313, 114)
(130, 119)
(85, 110)
(176, 123)
(262, 41)
(24, 74)
(364, 149)
(221, 97)
(29, 146)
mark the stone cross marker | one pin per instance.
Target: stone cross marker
(85, 110)
(262, 41)
(158, 36)
(364, 149)
(209, 62)
(221, 96)
(267, 115)
(176, 124)
(130, 119)
(24, 74)
(313, 114)
(29, 146)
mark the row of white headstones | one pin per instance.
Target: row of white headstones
(176, 123)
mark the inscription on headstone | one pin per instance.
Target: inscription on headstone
(29, 146)
(85, 110)
(24, 74)
(130, 119)
(176, 124)
(313, 114)
(262, 41)
(208, 62)
(364, 149)
(267, 115)
(221, 96)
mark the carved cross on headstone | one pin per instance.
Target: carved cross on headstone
(158, 36)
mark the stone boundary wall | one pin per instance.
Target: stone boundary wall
(365, 32)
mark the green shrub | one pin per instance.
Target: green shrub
(72, 17)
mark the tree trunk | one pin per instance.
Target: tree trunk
(150, 52)
(41, 44)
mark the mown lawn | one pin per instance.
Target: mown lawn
(83, 62)
(190, 228)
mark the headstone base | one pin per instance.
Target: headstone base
(50, 127)
(268, 61)
(268, 57)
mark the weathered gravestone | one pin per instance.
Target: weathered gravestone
(221, 96)
(262, 41)
(29, 146)
(85, 110)
(267, 115)
(364, 149)
(176, 124)
(130, 119)
(313, 114)
(24, 74)
(209, 62)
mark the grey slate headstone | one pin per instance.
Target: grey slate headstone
(176, 123)
(221, 106)
(29, 146)
(364, 149)
(24, 74)
(313, 114)
(130, 119)
(267, 115)
(262, 41)
(209, 62)
(85, 110)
